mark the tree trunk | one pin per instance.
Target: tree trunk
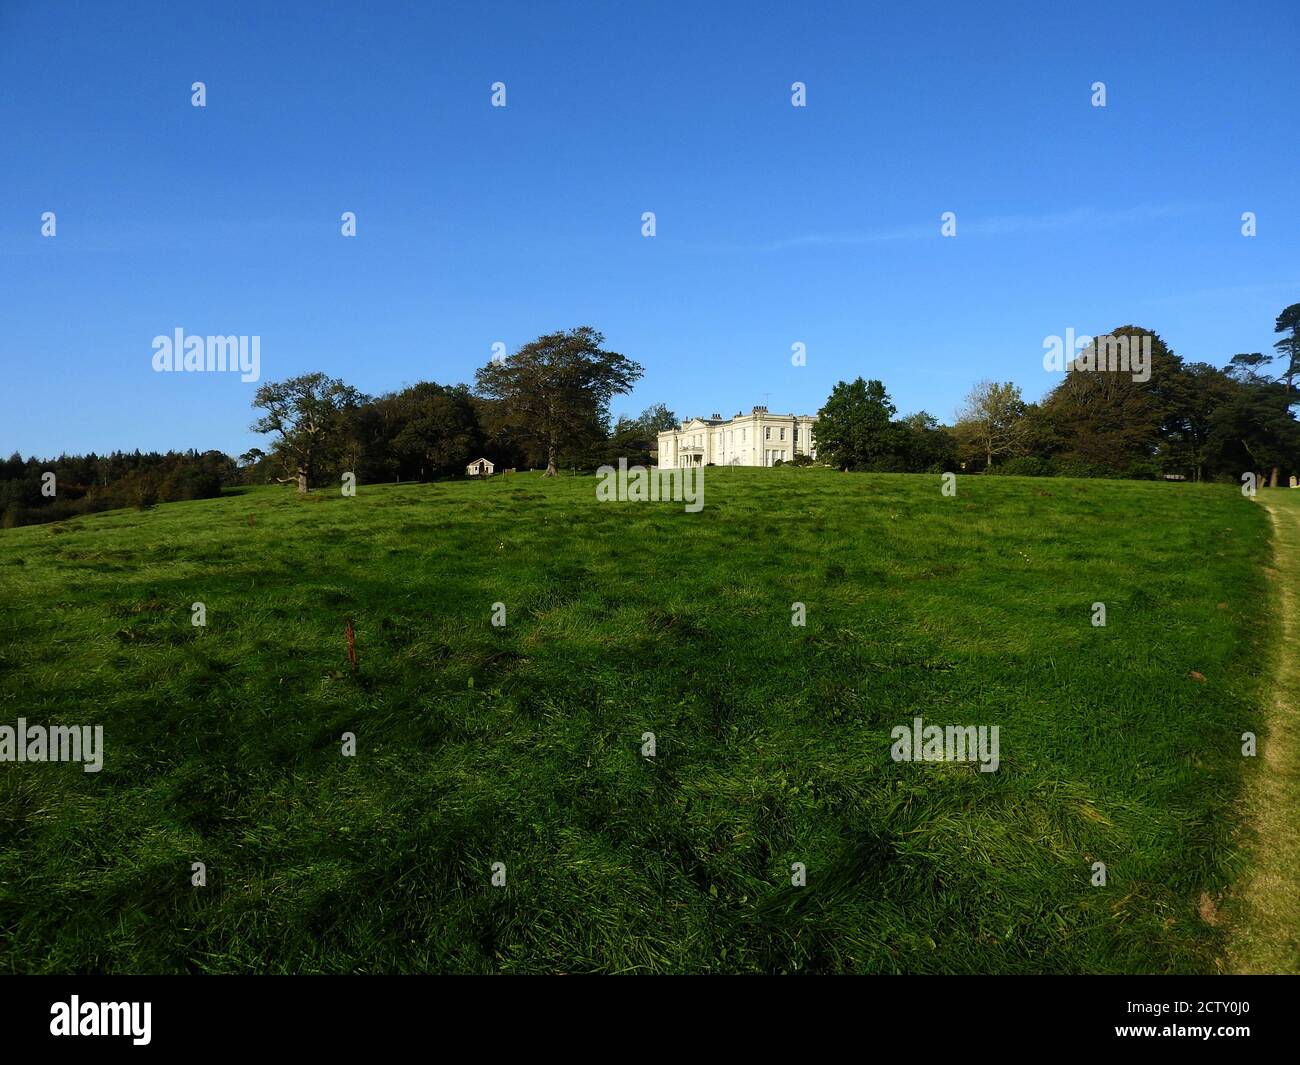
(550, 462)
(1272, 481)
(302, 481)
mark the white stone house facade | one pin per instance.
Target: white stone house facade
(755, 439)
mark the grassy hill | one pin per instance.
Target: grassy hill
(522, 744)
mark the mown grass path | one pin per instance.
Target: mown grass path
(1268, 936)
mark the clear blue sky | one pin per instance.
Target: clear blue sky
(479, 224)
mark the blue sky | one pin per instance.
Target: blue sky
(775, 224)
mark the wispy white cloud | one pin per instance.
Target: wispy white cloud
(1079, 218)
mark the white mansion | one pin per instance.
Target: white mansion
(754, 439)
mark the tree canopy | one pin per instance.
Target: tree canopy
(556, 390)
(309, 414)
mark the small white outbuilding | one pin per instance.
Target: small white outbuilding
(480, 468)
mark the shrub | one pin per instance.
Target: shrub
(1024, 466)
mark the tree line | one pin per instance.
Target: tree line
(1187, 420)
(547, 407)
(41, 490)
(544, 406)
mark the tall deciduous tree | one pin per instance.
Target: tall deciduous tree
(310, 415)
(993, 420)
(557, 389)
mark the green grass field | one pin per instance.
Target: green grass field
(522, 744)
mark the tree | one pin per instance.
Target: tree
(436, 430)
(1104, 421)
(924, 446)
(634, 439)
(1247, 367)
(1255, 427)
(1252, 428)
(364, 447)
(657, 419)
(309, 414)
(993, 420)
(507, 445)
(853, 426)
(556, 390)
(1288, 347)
(630, 440)
(1198, 390)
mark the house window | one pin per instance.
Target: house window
(783, 436)
(767, 433)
